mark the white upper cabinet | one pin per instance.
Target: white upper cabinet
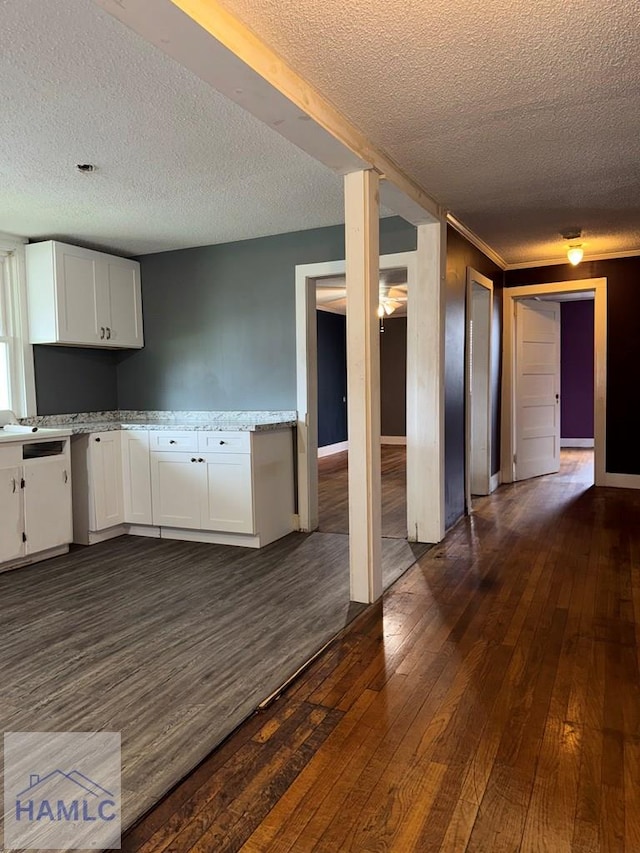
(79, 297)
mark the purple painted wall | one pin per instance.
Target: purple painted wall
(576, 359)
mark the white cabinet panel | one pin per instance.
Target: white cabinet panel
(105, 471)
(77, 296)
(47, 504)
(125, 304)
(228, 496)
(186, 440)
(224, 442)
(136, 477)
(11, 518)
(177, 484)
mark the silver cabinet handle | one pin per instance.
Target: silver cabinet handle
(65, 475)
(15, 485)
(102, 333)
(108, 333)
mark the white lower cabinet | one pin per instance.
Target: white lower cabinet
(227, 500)
(136, 477)
(236, 488)
(98, 499)
(35, 502)
(47, 504)
(177, 482)
(11, 514)
(211, 491)
(228, 487)
(105, 470)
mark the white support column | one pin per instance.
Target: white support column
(425, 387)
(363, 384)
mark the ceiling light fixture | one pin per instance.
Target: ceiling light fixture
(575, 252)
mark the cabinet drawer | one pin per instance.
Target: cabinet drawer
(186, 440)
(224, 442)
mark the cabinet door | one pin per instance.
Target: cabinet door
(136, 471)
(11, 520)
(78, 288)
(47, 504)
(124, 326)
(105, 473)
(177, 482)
(228, 496)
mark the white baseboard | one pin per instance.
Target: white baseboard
(495, 481)
(210, 537)
(330, 449)
(143, 530)
(577, 442)
(34, 558)
(94, 537)
(621, 481)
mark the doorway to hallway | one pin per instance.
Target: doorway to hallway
(333, 496)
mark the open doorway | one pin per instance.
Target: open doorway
(571, 395)
(308, 277)
(554, 381)
(331, 307)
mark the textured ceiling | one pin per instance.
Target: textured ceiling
(522, 119)
(178, 164)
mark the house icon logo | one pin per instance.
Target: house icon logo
(59, 796)
(62, 790)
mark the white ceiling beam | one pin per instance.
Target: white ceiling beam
(208, 40)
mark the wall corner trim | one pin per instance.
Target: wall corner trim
(476, 241)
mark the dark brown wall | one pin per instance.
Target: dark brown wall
(460, 255)
(623, 347)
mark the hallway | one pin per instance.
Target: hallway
(490, 702)
(333, 492)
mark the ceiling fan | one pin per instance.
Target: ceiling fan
(333, 298)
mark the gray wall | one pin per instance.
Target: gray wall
(72, 379)
(220, 334)
(393, 377)
(219, 321)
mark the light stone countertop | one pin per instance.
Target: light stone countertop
(87, 422)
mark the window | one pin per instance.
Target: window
(17, 390)
(5, 337)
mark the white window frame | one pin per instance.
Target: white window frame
(22, 375)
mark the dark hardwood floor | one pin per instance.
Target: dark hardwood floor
(490, 702)
(333, 492)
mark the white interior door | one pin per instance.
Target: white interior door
(537, 388)
(478, 404)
